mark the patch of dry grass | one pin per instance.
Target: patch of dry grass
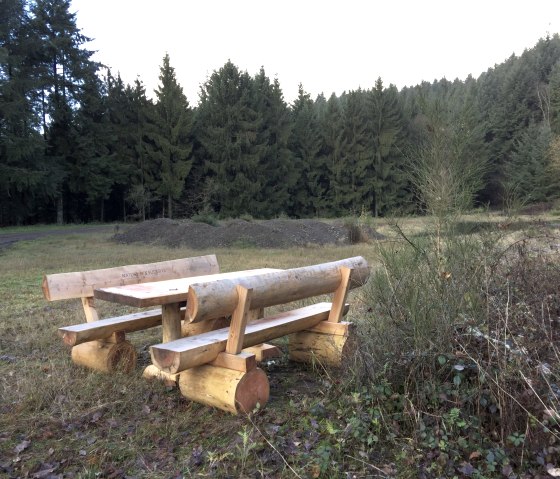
(57, 416)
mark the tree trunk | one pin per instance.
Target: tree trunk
(169, 206)
(59, 210)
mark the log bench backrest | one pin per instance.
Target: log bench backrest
(237, 298)
(220, 298)
(82, 284)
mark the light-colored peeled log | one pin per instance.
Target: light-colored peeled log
(226, 389)
(103, 328)
(192, 329)
(80, 284)
(152, 372)
(190, 352)
(106, 357)
(326, 349)
(219, 298)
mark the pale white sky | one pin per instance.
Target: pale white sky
(328, 46)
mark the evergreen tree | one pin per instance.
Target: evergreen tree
(24, 180)
(228, 133)
(62, 66)
(385, 126)
(332, 131)
(355, 185)
(173, 136)
(121, 145)
(275, 159)
(309, 192)
(93, 174)
(527, 175)
(140, 143)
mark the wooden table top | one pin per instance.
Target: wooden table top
(165, 292)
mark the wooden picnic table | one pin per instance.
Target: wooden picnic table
(170, 294)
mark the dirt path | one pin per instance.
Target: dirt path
(8, 239)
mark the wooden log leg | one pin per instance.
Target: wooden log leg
(227, 389)
(187, 329)
(153, 372)
(171, 321)
(105, 356)
(332, 350)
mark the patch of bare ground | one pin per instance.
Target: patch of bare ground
(277, 233)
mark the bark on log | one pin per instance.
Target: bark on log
(105, 357)
(219, 298)
(233, 391)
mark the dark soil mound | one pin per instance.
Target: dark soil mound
(236, 233)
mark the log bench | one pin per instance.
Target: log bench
(216, 369)
(100, 343)
(211, 346)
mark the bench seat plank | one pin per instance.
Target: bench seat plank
(185, 353)
(103, 328)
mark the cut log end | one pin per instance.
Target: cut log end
(69, 338)
(165, 360)
(233, 391)
(45, 288)
(106, 357)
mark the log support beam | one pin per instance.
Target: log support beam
(153, 372)
(329, 344)
(237, 392)
(106, 356)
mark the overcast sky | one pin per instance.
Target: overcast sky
(328, 46)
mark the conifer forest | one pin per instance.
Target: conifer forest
(77, 144)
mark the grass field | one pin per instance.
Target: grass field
(58, 420)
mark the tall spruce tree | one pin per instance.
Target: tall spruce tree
(385, 127)
(94, 172)
(120, 146)
(308, 193)
(355, 185)
(62, 65)
(332, 136)
(24, 180)
(275, 158)
(140, 142)
(228, 132)
(173, 136)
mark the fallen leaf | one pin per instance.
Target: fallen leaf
(22, 446)
(554, 472)
(83, 452)
(474, 455)
(45, 471)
